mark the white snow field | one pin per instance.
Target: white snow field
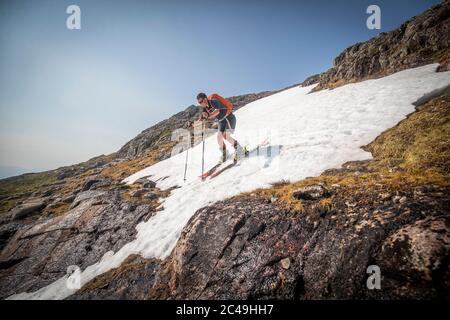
(316, 131)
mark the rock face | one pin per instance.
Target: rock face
(427, 243)
(422, 40)
(249, 248)
(37, 254)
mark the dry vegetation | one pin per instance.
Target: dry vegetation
(126, 168)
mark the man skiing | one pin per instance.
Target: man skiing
(216, 107)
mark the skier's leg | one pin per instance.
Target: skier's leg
(222, 146)
(229, 138)
(230, 125)
(220, 140)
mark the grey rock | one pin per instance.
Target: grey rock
(313, 192)
(139, 192)
(7, 231)
(101, 184)
(69, 199)
(86, 195)
(146, 183)
(26, 209)
(151, 195)
(35, 255)
(89, 182)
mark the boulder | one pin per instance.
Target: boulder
(139, 192)
(86, 195)
(146, 183)
(151, 195)
(313, 192)
(7, 231)
(89, 182)
(101, 184)
(26, 209)
(69, 199)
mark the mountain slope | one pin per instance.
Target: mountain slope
(315, 238)
(76, 215)
(315, 132)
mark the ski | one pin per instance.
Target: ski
(217, 172)
(247, 154)
(210, 171)
(221, 167)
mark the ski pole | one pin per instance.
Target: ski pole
(203, 146)
(187, 152)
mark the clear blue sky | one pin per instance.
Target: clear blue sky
(70, 95)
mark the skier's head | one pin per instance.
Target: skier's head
(202, 99)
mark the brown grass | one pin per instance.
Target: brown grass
(128, 167)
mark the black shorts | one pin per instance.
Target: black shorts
(227, 124)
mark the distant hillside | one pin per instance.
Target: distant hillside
(10, 171)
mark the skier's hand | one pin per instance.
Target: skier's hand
(204, 115)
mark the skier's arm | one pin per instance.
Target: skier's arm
(208, 115)
(213, 114)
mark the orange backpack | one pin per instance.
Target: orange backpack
(224, 101)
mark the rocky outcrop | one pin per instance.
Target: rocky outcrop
(255, 250)
(36, 254)
(311, 193)
(422, 40)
